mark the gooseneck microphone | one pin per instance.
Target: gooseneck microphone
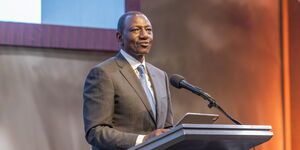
(179, 82)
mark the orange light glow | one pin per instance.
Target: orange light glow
(286, 76)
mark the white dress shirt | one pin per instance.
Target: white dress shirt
(134, 64)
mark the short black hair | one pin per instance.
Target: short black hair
(123, 17)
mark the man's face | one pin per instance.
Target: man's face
(137, 36)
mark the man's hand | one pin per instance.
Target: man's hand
(155, 133)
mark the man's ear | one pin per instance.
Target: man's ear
(119, 37)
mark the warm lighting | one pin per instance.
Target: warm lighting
(286, 77)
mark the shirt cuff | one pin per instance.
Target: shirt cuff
(139, 139)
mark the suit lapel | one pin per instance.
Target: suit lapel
(157, 86)
(134, 81)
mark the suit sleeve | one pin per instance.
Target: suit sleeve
(169, 121)
(98, 109)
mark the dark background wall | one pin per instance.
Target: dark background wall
(228, 48)
(231, 49)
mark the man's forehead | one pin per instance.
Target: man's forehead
(137, 19)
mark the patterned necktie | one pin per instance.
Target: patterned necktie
(143, 80)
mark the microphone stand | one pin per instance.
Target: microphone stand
(212, 102)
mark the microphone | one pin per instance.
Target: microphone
(179, 82)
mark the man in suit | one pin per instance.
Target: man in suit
(127, 100)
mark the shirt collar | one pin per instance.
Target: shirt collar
(132, 61)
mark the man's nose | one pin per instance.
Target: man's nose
(144, 34)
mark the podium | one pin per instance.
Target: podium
(208, 137)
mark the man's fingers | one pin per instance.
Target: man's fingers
(155, 133)
(160, 131)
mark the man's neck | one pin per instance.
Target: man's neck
(140, 58)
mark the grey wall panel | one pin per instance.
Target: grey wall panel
(41, 97)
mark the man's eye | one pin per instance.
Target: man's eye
(134, 30)
(149, 29)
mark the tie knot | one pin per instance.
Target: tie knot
(141, 69)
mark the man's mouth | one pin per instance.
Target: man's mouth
(144, 44)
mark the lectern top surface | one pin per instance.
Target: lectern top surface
(225, 126)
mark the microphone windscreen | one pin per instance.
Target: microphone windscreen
(175, 80)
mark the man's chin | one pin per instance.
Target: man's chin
(144, 51)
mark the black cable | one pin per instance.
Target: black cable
(212, 103)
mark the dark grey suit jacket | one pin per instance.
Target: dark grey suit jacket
(116, 109)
